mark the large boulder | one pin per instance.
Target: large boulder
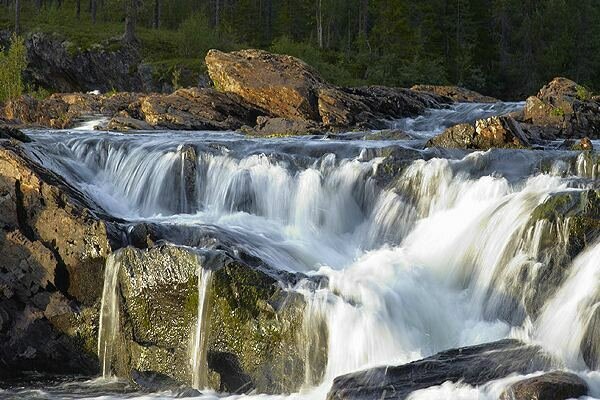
(283, 85)
(564, 109)
(474, 366)
(53, 247)
(286, 87)
(551, 386)
(252, 327)
(456, 93)
(494, 132)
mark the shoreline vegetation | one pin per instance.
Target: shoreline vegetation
(506, 49)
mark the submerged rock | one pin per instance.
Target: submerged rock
(456, 93)
(474, 366)
(551, 386)
(252, 327)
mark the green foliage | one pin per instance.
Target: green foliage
(12, 64)
(583, 93)
(557, 112)
(196, 37)
(506, 48)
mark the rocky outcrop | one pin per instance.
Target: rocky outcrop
(288, 88)
(10, 132)
(494, 132)
(564, 109)
(53, 248)
(551, 386)
(58, 65)
(474, 366)
(197, 109)
(63, 110)
(456, 93)
(253, 326)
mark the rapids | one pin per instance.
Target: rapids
(428, 263)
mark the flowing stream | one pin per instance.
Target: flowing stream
(447, 255)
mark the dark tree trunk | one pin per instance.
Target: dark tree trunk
(17, 16)
(130, 21)
(78, 9)
(94, 10)
(157, 14)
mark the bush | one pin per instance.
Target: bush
(12, 64)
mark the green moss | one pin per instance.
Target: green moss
(557, 112)
(583, 93)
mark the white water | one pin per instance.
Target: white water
(109, 315)
(198, 349)
(431, 265)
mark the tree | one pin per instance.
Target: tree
(12, 65)
(157, 13)
(130, 21)
(17, 17)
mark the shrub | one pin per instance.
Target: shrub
(12, 64)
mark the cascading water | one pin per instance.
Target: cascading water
(109, 315)
(198, 359)
(448, 254)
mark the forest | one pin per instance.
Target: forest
(505, 48)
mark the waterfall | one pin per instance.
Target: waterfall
(198, 356)
(452, 252)
(562, 325)
(109, 315)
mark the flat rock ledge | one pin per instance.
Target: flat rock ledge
(474, 365)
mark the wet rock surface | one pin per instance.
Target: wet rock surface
(551, 386)
(53, 247)
(253, 324)
(474, 365)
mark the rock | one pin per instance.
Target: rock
(253, 325)
(283, 85)
(474, 366)
(584, 144)
(53, 247)
(197, 109)
(286, 87)
(564, 109)
(123, 122)
(9, 132)
(551, 386)
(494, 132)
(456, 93)
(277, 127)
(58, 65)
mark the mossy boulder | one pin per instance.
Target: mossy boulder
(253, 326)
